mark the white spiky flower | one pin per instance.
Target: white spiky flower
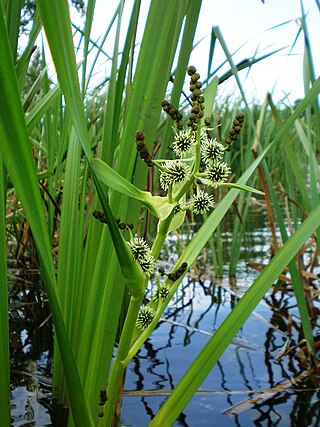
(162, 292)
(142, 253)
(139, 247)
(203, 136)
(211, 151)
(145, 317)
(183, 142)
(147, 264)
(217, 173)
(201, 202)
(174, 171)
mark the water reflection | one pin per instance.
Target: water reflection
(255, 362)
(258, 360)
(31, 349)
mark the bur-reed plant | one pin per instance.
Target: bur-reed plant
(97, 262)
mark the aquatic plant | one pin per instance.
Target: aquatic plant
(95, 158)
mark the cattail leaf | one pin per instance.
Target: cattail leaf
(158, 206)
(241, 187)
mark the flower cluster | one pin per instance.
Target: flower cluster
(162, 292)
(235, 130)
(173, 172)
(197, 98)
(142, 148)
(201, 202)
(174, 113)
(102, 218)
(145, 317)
(216, 173)
(211, 150)
(142, 253)
(183, 142)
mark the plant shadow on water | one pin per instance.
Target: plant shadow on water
(31, 349)
(262, 379)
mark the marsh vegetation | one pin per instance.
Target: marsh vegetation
(133, 201)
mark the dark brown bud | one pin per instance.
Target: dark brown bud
(144, 152)
(195, 77)
(139, 135)
(191, 70)
(172, 276)
(197, 92)
(97, 214)
(103, 219)
(207, 121)
(140, 145)
(161, 271)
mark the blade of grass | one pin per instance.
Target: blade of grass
(296, 280)
(191, 21)
(56, 23)
(5, 419)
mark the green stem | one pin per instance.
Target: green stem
(196, 165)
(163, 227)
(121, 361)
(170, 199)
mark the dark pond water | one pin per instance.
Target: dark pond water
(252, 367)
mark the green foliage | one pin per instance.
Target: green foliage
(81, 148)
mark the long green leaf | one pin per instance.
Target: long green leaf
(56, 23)
(4, 322)
(158, 206)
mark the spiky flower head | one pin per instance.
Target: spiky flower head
(177, 208)
(145, 317)
(211, 151)
(162, 292)
(201, 202)
(174, 171)
(142, 253)
(203, 136)
(217, 173)
(139, 248)
(183, 142)
(147, 264)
